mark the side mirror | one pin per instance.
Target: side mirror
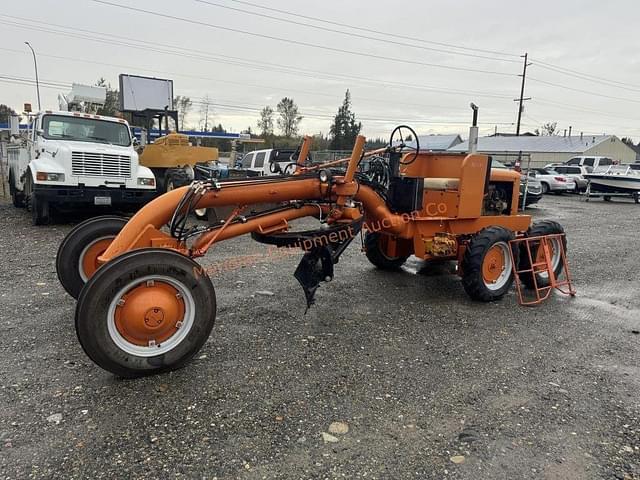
(136, 142)
(39, 132)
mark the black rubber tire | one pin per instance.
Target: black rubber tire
(543, 227)
(35, 204)
(17, 198)
(472, 279)
(607, 198)
(545, 187)
(69, 252)
(92, 311)
(175, 178)
(377, 257)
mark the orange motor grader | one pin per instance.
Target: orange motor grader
(146, 306)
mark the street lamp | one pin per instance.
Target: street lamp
(35, 63)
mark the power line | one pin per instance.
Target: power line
(544, 82)
(392, 35)
(237, 61)
(236, 106)
(585, 76)
(235, 83)
(582, 109)
(355, 35)
(301, 43)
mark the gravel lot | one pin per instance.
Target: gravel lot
(429, 384)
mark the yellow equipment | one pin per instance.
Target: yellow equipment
(173, 150)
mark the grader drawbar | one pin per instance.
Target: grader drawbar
(146, 306)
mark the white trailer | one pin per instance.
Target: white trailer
(69, 159)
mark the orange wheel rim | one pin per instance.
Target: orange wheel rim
(493, 264)
(89, 260)
(149, 314)
(540, 256)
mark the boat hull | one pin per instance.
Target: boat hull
(614, 184)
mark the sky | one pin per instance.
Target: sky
(414, 63)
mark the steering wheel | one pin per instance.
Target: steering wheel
(401, 146)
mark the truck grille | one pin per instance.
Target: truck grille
(86, 164)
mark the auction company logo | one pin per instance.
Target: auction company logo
(275, 253)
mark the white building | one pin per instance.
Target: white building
(551, 149)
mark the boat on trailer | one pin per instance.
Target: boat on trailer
(615, 180)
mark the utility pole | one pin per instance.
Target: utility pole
(35, 63)
(522, 98)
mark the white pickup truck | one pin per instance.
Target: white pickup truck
(67, 159)
(270, 161)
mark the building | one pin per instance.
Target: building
(551, 149)
(436, 143)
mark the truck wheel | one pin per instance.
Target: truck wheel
(17, 198)
(38, 206)
(77, 258)
(175, 178)
(147, 311)
(487, 266)
(544, 227)
(375, 249)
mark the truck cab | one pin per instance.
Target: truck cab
(591, 162)
(270, 161)
(67, 159)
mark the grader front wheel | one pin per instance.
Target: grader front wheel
(147, 311)
(77, 257)
(487, 268)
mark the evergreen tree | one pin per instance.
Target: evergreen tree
(345, 129)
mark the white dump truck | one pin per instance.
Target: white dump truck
(67, 159)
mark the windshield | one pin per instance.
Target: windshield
(80, 129)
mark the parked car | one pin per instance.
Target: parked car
(553, 181)
(533, 188)
(573, 171)
(530, 184)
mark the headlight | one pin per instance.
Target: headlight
(49, 177)
(148, 182)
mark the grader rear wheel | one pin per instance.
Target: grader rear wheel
(77, 257)
(487, 266)
(375, 245)
(545, 227)
(147, 311)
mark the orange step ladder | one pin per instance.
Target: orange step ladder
(540, 252)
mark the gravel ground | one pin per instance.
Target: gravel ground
(427, 383)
